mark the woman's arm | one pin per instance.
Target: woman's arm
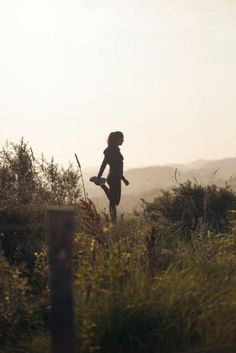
(102, 168)
(125, 180)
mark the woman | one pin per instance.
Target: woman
(114, 159)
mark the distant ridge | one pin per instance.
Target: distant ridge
(148, 181)
(199, 163)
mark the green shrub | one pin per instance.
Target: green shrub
(27, 187)
(190, 205)
(15, 303)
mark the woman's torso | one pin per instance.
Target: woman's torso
(115, 160)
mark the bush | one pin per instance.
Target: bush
(27, 187)
(15, 304)
(190, 205)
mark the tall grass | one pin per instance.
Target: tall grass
(187, 301)
(140, 290)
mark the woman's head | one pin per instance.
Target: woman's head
(115, 138)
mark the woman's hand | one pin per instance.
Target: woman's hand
(126, 181)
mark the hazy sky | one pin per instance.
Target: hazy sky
(162, 71)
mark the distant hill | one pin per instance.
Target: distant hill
(147, 182)
(199, 163)
(226, 167)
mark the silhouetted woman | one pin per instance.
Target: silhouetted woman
(114, 159)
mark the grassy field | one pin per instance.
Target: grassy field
(136, 290)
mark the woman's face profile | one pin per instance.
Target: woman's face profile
(120, 140)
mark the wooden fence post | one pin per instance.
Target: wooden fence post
(60, 237)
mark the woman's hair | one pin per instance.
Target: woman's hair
(113, 138)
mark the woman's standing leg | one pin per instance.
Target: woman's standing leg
(115, 194)
(112, 206)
